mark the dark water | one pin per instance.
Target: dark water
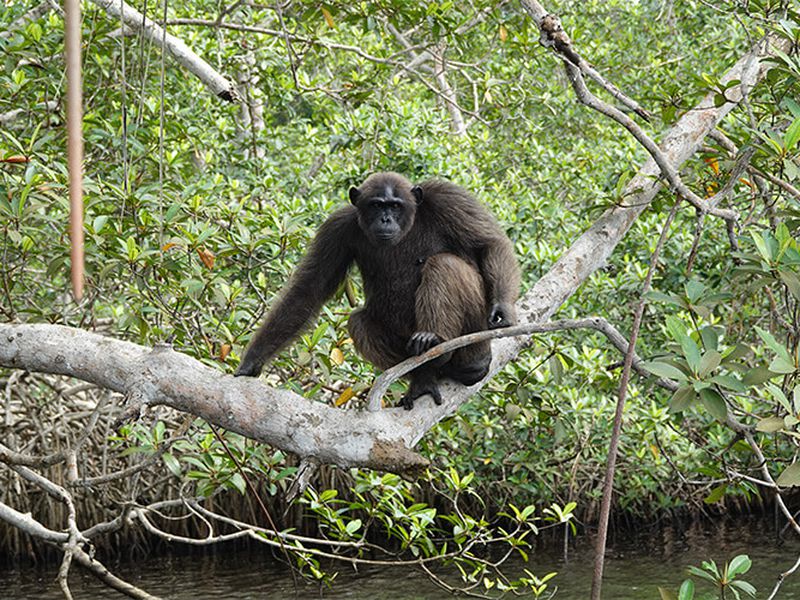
(637, 564)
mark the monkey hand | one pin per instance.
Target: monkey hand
(502, 314)
(248, 368)
(422, 341)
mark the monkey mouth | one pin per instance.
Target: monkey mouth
(386, 237)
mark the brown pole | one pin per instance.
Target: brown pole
(72, 52)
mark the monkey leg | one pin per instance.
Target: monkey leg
(451, 301)
(382, 348)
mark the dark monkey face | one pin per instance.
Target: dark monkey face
(387, 205)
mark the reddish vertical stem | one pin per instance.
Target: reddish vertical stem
(613, 447)
(72, 52)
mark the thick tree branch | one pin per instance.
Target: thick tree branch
(244, 405)
(218, 84)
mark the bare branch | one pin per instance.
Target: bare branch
(382, 383)
(97, 569)
(554, 36)
(27, 524)
(616, 428)
(218, 84)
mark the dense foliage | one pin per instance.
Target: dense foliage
(196, 215)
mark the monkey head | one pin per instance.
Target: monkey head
(387, 205)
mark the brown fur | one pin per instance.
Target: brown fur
(447, 270)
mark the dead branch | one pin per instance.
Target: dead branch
(554, 36)
(218, 84)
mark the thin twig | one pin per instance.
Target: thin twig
(553, 36)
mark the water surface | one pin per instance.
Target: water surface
(636, 565)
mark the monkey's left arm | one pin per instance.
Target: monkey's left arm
(501, 276)
(497, 262)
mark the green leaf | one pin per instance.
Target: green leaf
(238, 482)
(710, 338)
(796, 399)
(792, 135)
(676, 328)
(790, 476)
(328, 495)
(691, 352)
(780, 397)
(761, 246)
(702, 574)
(716, 494)
(746, 587)
(99, 223)
(353, 526)
(694, 290)
(661, 369)
(770, 424)
(687, 590)
(681, 399)
(714, 404)
(780, 365)
(757, 376)
(172, 463)
(773, 344)
(668, 298)
(792, 282)
(708, 363)
(666, 594)
(728, 382)
(739, 564)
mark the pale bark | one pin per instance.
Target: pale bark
(217, 83)
(244, 405)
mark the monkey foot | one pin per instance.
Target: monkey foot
(422, 341)
(416, 390)
(247, 369)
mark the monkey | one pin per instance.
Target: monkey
(435, 265)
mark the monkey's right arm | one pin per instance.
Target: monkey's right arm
(315, 280)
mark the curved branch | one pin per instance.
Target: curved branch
(382, 383)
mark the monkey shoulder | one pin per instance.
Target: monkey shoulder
(457, 211)
(343, 222)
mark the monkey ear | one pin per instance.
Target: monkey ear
(355, 194)
(417, 191)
